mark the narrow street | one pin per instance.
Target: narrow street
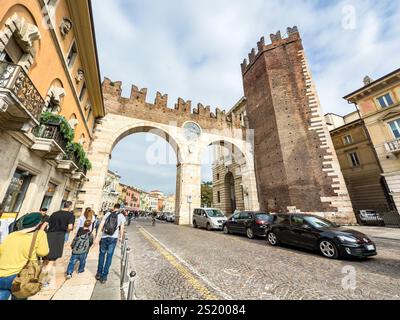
(184, 263)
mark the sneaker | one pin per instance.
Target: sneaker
(69, 276)
(98, 277)
(103, 281)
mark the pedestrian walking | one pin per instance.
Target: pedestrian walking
(87, 215)
(60, 224)
(80, 248)
(18, 248)
(111, 229)
(45, 219)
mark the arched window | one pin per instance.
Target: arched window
(73, 121)
(82, 140)
(18, 39)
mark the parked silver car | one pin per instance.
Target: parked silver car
(209, 218)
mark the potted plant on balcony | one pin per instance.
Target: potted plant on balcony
(51, 119)
(78, 155)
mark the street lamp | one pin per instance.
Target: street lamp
(190, 201)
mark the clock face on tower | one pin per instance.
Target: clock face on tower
(192, 131)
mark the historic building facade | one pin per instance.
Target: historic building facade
(296, 165)
(359, 164)
(112, 191)
(50, 97)
(379, 105)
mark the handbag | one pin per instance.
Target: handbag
(28, 282)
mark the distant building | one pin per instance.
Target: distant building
(145, 201)
(379, 105)
(110, 190)
(130, 197)
(156, 200)
(170, 204)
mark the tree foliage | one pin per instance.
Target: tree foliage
(206, 194)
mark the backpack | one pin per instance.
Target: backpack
(111, 224)
(81, 244)
(28, 282)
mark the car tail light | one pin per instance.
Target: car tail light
(260, 222)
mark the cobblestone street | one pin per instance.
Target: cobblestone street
(184, 263)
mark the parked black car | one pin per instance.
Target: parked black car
(252, 224)
(321, 235)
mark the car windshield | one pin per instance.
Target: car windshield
(263, 217)
(213, 213)
(320, 223)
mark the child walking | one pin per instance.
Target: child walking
(80, 248)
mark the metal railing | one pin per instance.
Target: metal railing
(127, 275)
(52, 132)
(15, 79)
(393, 146)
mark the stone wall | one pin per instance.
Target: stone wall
(296, 165)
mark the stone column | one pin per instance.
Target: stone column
(96, 178)
(188, 183)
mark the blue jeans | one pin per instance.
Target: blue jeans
(74, 259)
(107, 247)
(5, 287)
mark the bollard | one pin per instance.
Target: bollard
(131, 288)
(125, 267)
(124, 245)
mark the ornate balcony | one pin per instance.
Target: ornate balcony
(69, 163)
(20, 102)
(393, 146)
(49, 142)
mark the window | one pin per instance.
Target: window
(65, 198)
(73, 52)
(245, 216)
(16, 191)
(217, 176)
(395, 126)
(354, 161)
(219, 196)
(347, 140)
(48, 196)
(12, 52)
(297, 221)
(385, 100)
(83, 92)
(283, 220)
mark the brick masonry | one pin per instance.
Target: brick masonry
(296, 165)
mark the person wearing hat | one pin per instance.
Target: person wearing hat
(14, 251)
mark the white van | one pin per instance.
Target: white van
(209, 218)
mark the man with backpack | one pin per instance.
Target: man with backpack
(80, 248)
(111, 229)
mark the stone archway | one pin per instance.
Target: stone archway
(188, 132)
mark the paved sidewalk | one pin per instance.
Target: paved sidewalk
(379, 232)
(83, 286)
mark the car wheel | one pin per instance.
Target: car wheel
(328, 249)
(226, 230)
(272, 239)
(208, 227)
(250, 233)
(195, 224)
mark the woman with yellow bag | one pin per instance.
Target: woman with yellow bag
(18, 257)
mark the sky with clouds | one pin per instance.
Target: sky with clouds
(193, 50)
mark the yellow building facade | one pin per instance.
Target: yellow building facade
(359, 165)
(379, 105)
(50, 98)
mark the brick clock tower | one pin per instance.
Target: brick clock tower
(297, 168)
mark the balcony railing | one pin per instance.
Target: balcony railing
(25, 101)
(393, 146)
(51, 132)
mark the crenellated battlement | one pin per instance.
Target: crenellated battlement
(276, 41)
(137, 106)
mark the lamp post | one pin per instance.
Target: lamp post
(190, 201)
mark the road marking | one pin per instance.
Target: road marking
(184, 268)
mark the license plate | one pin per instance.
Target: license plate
(371, 247)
